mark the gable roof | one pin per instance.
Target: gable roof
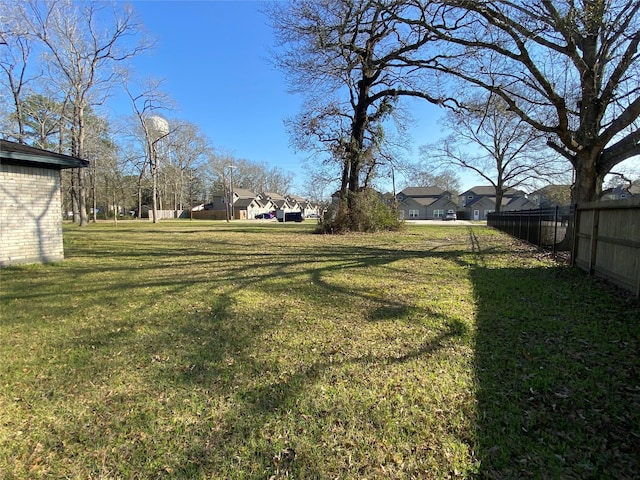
(481, 190)
(423, 192)
(246, 202)
(17, 153)
(243, 193)
(518, 203)
(489, 191)
(551, 189)
(487, 201)
(424, 202)
(272, 195)
(265, 202)
(280, 203)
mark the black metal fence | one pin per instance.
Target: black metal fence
(545, 227)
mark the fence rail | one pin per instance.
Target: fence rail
(603, 237)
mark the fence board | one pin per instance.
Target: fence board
(608, 241)
(169, 214)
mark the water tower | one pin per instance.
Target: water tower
(157, 128)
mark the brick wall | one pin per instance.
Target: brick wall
(30, 215)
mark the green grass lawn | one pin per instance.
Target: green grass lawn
(238, 351)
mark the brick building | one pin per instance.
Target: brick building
(30, 203)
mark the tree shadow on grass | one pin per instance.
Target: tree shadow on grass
(208, 351)
(557, 368)
(146, 269)
(263, 392)
(249, 430)
(555, 361)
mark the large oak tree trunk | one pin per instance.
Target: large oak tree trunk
(588, 181)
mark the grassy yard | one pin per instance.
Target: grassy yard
(237, 351)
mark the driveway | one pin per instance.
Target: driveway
(459, 223)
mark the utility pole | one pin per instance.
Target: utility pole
(231, 167)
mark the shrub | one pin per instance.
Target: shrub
(368, 214)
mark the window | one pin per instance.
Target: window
(438, 213)
(414, 213)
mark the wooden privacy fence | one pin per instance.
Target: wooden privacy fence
(219, 214)
(210, 215)
(169, 214)
(607, 241)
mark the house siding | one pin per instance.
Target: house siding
(30, 215)
(483, 200)
(425, 212)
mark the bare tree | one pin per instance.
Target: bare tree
(424, 176)
(255, 176)
(318, 183)
(146, 99)
(98, 148)
(570, 70)
(15, 50)
(260, 177)
(187, 150)
(84, 47)
(108, 184)
(349, 57)
(495, 144)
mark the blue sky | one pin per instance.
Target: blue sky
(213, 57)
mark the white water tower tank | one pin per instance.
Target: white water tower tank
(157, 127)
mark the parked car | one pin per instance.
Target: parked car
(264, 216)
(451, 215)
(292, 217)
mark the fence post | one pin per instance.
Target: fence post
(555, 229)
(575, 239)
(539, 228)
(594, 239)
(519, 226)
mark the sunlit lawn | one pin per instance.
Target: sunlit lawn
(260, 350)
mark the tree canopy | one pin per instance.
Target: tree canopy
(350, 58)
(570, 70)
(495, 144)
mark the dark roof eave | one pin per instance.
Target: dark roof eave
(11, 152)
